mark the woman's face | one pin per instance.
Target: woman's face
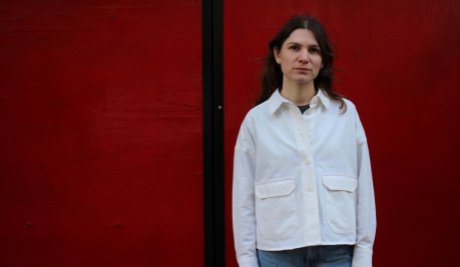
(299, 57)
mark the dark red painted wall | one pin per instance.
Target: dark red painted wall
(101, 133)
(401, 62)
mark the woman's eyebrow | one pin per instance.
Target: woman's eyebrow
(295, 43)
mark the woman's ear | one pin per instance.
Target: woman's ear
(276, 55)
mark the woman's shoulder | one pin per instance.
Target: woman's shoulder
(255, 116)
(259, 110)
(346, 107)
(350, 105)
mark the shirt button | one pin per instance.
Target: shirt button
(310, 188)
(307, 162)
(309, 112)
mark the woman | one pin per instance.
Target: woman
(302, 188)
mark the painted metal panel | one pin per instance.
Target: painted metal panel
(101, 133)
(400, 62)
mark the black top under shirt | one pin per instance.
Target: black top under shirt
(304, 108)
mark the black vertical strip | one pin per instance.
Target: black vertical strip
(213, 139)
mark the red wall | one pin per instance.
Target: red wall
(401, 61)
(101, 133)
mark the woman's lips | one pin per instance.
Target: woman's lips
(303, 69)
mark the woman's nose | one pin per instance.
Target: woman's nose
(303, 57)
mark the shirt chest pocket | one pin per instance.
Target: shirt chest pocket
(341, 202)
(276, 208)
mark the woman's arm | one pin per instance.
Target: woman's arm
(244, 219)
(366, 216)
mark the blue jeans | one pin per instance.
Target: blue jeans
(315, 256)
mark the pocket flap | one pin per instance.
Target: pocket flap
(275, 188)
(338, 182)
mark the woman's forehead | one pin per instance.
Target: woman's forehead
(302, 36)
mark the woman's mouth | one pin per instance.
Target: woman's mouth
(303, 69)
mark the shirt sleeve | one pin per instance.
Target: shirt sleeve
(243, 201)
(366, 215)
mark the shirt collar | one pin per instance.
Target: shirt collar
(322, 98)
(276, 100)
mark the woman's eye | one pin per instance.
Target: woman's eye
(295, 48)
(314, 50)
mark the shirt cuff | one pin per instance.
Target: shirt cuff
(362, 257)
(248, 262)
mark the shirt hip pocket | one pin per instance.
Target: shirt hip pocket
(276, 208)
(341, 202)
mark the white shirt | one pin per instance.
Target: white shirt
(302, 180)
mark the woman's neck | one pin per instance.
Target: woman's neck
(299, 94)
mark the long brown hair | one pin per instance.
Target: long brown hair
(272, 77)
